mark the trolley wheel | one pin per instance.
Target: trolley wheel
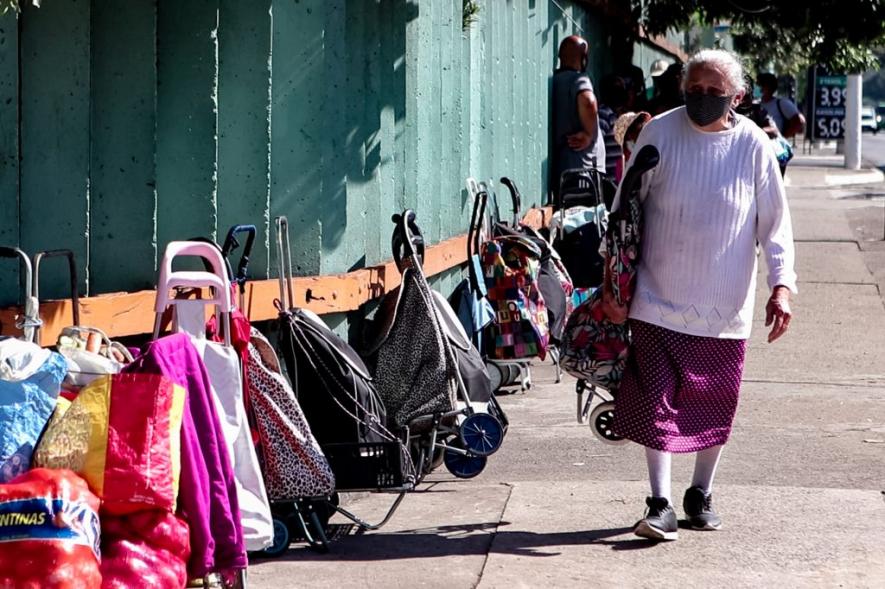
(601, 420)
(281, 539)
(464, 467)
(482, 434)
(496, 377)
(512, 374)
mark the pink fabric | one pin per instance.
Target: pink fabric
(144, 549)
(207, 498)
(679, 392)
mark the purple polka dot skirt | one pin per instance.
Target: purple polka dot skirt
(679, 392)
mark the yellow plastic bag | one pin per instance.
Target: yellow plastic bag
(122, 434)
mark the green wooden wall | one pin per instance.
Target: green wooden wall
(129, 124)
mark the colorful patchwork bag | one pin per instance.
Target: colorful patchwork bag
(511, 266)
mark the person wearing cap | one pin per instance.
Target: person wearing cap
(658, 67)
(577, 142)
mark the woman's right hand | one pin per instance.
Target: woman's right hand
(614, 311)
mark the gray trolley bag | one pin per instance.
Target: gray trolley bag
(421, 357)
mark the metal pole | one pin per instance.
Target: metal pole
(853, 95)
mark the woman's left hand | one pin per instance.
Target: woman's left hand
(777, 312)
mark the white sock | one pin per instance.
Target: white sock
(705, 468)
(659, 472)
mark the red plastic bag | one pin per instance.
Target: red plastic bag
(145, 549)
(49, 532)
(123, 435)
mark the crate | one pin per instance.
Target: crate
(376, 466)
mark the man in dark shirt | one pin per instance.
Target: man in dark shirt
(612, 99)
(668, 90)
(577, 142)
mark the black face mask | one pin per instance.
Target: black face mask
(704, 109)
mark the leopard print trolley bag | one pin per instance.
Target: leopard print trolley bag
(294, 463)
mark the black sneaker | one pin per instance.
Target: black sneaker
(698, 507)
(660, 521)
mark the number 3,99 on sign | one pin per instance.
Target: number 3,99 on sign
(832, 96)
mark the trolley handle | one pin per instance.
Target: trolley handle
(13, 253)
(72, 270)
(515, 197)
(29, 320)
(407, 241)
(217, 280)
(284, 260)
(473, 236)
(472, 186)
(231, 243)
(207, 265)
(476, 220)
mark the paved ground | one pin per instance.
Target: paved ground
(873, 149)
(800, 485)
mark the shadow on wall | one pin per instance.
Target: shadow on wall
(119, 127)
(338, 106)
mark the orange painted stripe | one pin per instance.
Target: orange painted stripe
(123, 314)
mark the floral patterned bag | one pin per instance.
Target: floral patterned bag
(622, 241)
(595, 349)
(511, 266)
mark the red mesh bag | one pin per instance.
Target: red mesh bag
(49, 531)
(145, 549)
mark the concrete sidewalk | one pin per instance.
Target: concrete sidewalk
(823, 168)
(799, 488)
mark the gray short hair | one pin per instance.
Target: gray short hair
(725, 61)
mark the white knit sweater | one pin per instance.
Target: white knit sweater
(711, 198)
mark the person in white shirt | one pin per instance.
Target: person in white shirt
(716, 192)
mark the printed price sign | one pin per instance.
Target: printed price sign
(828, 108)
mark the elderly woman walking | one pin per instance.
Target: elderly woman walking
(715, 194)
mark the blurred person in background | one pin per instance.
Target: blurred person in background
(627, 129)
(612, 99)
(668, 90)
(786, 115)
